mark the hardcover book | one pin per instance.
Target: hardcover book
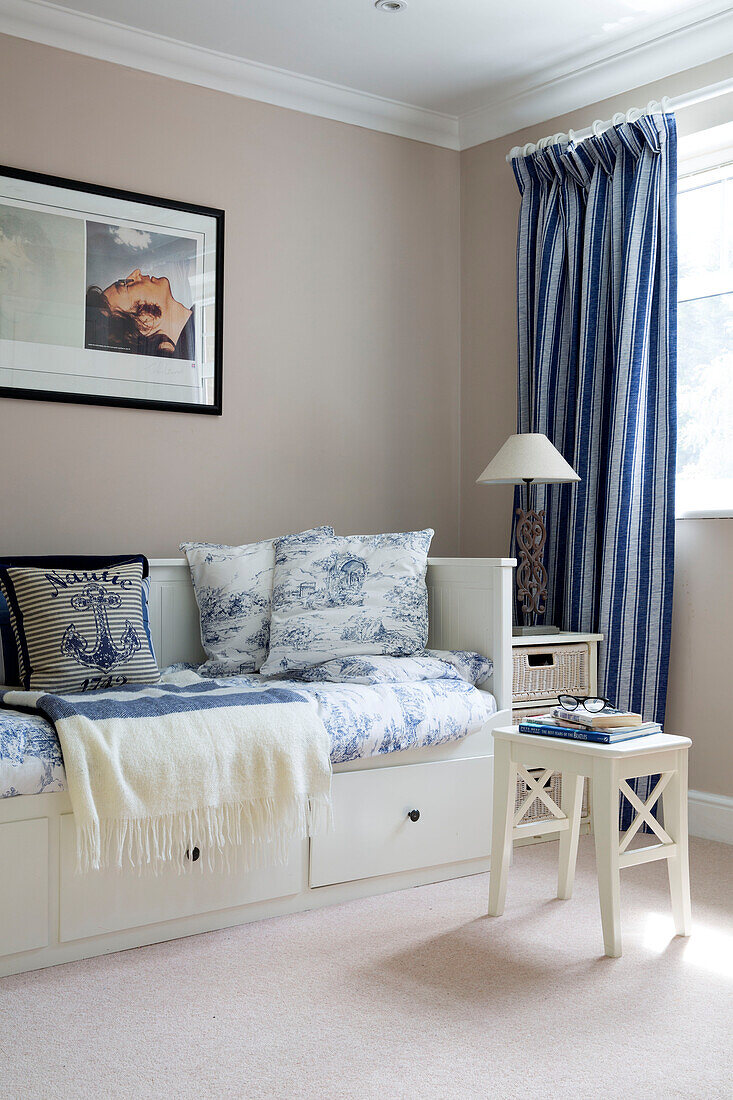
(605, 719)
(548, 726)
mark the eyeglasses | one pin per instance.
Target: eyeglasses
(592, 703)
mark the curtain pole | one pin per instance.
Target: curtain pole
(679, 103)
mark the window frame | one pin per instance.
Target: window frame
(698, 153)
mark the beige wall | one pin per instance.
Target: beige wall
(702, 630)
(341, 338)
(698, 701)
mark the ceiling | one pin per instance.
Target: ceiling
(446, 57)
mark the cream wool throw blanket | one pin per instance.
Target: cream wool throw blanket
(155, 771)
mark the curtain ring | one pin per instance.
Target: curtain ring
(618, 118)
(559, 137)
(631, 112)
(652, 106)
(528, 149)
(666, 104)
(571, 136)
(515, 152)
(597, 127)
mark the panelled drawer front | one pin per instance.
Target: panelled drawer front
(110, 901)
(374, 834)
(24, 889)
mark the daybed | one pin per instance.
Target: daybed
(402, 818)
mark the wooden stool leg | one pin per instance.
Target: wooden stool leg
(605, 794)
(571, 805)
(674, 801)
(505, 783)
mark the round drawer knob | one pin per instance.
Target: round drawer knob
(414, 815)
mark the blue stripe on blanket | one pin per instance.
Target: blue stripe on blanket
(135, 702)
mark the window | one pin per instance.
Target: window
(705, 329)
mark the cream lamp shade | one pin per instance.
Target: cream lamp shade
(527, 457)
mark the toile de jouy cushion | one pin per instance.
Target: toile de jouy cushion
(233, 588)
(338, 596)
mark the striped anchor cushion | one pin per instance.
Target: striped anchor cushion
(80, 630)
(9, 674)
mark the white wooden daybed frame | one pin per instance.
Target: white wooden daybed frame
(50, 914)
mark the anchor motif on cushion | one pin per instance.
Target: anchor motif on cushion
(105, 654)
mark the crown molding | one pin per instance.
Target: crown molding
(105, 40)
(554, 91)
(559, 91)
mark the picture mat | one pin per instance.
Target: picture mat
(41, 276)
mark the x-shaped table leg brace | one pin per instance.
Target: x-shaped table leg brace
(644, 812)
(536, 790)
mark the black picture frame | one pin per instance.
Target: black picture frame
(215, 311)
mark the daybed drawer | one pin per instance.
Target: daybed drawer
(24, 891)
(375, 835)
(109, 901)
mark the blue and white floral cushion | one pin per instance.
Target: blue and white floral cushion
(432, 664)
(369, 719)
(359, 594)
(30, 755)
(233, 587)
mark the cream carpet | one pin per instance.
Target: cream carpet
(415, 994)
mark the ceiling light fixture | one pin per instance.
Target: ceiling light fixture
(390, 5)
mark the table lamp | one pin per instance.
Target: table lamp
(523, 459)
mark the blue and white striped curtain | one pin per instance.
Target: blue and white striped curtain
(597, 300)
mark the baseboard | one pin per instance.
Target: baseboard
(711, 816)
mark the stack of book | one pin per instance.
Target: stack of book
(605, 728)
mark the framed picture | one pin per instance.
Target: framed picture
(108, 297)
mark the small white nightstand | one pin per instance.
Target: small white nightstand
(609, 767)
(544, 666)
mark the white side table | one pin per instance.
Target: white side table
(609, 767)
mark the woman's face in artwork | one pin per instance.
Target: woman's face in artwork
(148, 297)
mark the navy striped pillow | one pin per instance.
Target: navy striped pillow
(9, 672)
(79, 629)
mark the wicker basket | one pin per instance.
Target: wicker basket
(537, 811)
(544, 672)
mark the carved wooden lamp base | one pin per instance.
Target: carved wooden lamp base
(525, 458)
(531, 572)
